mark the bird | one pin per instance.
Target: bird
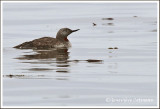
(61, 41)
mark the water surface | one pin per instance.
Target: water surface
(92, 71)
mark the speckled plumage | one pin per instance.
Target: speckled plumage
(49, 42)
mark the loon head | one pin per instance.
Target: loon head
(64, 32)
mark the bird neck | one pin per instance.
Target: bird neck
(61, 36)
(62, 39)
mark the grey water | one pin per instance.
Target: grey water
(92, 72)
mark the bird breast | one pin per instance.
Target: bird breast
(62, 45)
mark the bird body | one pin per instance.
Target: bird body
(49, 42)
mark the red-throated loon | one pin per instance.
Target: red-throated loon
(49, 42)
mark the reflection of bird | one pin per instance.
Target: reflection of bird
(49, 42)
(94, 24)
(54, 57)
(58, 54)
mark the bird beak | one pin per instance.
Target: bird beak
(75, 30)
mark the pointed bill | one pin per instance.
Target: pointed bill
(75, 30)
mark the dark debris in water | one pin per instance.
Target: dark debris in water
(62, 71)
(15, 76)
(24, 76)
(113, 48)
(109, 24)
(94, 24)
(107, 18)
(89, 60)
(93, 60)
(110, 48)
(135, 16)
